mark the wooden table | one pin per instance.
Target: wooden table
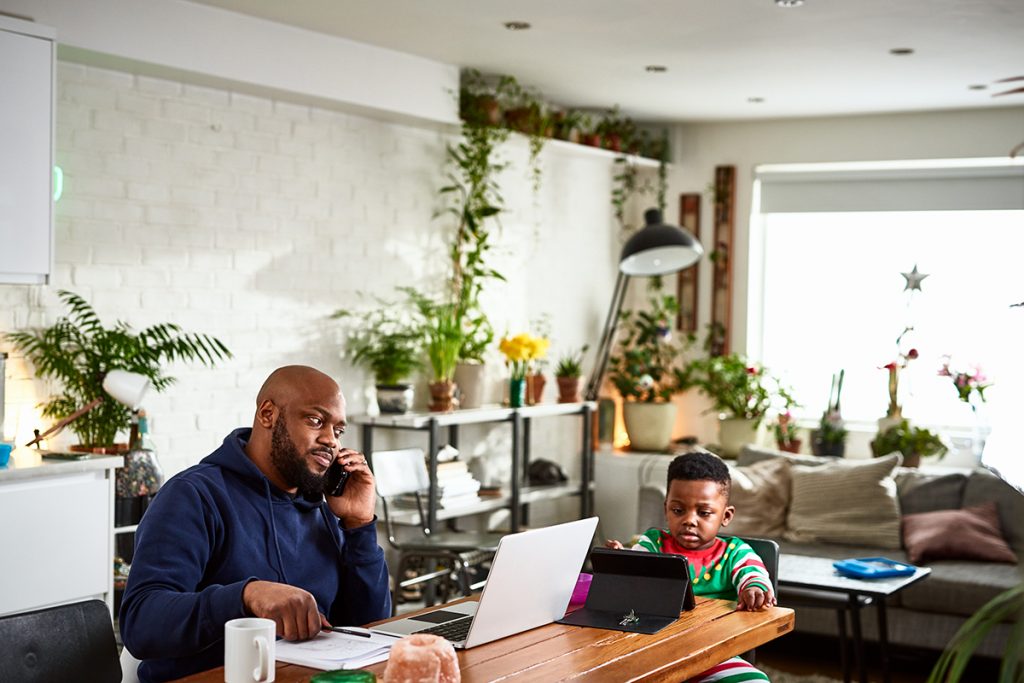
(703, 637)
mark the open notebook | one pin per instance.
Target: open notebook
(331, 650)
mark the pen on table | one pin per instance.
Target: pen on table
(351, 631)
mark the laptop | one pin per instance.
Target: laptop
(532, 577)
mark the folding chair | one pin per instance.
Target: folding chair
(428, 556)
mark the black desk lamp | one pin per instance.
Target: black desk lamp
(657, 249)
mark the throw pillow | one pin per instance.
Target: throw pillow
(848, 501)
(927, 491)
(972, 533)
(760, 494)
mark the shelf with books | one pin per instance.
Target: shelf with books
(454, 493)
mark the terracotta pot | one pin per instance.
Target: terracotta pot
(569, 389)
(535, 388)
(649, 425)
(790, 447)
(442, 396)
(112, 449)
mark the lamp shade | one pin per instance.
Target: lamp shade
(126, 387)
(659, 248)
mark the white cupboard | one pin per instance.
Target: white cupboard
(27, 58)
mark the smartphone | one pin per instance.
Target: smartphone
(335, 479)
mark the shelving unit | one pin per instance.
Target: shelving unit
(518, 495)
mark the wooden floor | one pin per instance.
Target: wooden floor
(802, 654)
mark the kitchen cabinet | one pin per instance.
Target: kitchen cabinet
(518, 494)
(27, 60)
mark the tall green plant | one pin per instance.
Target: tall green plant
(441, 332)
(475, 199)
(78, 352)
(1008, 606)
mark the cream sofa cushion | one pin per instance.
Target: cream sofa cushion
(760, 494)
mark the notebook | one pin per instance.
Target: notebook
(531, 580)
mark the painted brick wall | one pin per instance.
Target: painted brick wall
(252, 219)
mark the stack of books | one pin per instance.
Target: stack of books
(456, 487)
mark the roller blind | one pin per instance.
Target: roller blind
(965, 186)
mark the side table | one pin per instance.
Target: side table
(806, 574)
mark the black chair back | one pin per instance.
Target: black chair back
(67, 643)
(768, 550)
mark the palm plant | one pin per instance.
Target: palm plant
(78, 352)
(1007, 606)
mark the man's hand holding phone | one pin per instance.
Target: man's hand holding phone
(355, 506)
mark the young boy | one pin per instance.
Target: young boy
(696, 507)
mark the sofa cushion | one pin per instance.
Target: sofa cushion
(848, 501)
(969, 534)
(925, 491)
(750, 454)
(760, 494)
(957, 587)
(983, 486)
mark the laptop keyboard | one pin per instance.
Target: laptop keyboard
(455, 631)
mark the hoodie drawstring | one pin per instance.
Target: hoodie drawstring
(273, 530)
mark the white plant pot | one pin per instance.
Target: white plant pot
(649, 425)
(470, 379)
(736, 432)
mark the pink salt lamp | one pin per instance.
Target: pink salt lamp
(422, 658)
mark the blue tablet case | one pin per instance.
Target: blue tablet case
(634, 591)
(873, 568)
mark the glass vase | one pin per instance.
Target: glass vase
(517, 392)
(981, 426)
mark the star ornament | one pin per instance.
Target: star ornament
(914, 279)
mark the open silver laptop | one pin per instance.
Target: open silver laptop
(531, 580)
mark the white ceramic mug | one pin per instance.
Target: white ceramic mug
(249, 650)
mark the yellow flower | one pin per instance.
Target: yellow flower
(538, 347)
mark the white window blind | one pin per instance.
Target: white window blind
(953, 185)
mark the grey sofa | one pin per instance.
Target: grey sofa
(928, 613)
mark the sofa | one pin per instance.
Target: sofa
(841, 508)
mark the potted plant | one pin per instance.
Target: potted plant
(786, 433)
(389, 345)
(78, 351)
(569, 375)
(830, 436)
(912, 442)
(618, 132)
(439, 327)
(646, 372)
(520, 351)
(740, 392)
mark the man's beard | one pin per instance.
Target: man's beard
(291, 465)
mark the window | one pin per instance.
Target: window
(833, 295)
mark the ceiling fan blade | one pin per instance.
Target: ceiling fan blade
(1011, 78)
(1009, 92)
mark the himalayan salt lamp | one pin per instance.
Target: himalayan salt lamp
(422, 658)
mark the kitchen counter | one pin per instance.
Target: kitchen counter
(20, 467)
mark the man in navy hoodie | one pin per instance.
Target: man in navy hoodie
(248, 532)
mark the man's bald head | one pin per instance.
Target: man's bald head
(300, 416)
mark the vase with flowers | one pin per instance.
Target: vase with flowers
(894, 413)
(520, 352)
(970, 384)
(646, 370)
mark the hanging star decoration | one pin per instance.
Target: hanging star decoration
(914, 279)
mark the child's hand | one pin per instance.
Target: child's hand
(613, 544)
(754, 599)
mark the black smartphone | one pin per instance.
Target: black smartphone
(335, 479)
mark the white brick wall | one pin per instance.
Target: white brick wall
(252, 220)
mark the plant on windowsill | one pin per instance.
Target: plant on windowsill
(78, 351)
(387, 343)
(786, 433)
(913, 442)
(830, 436)
(440, 329)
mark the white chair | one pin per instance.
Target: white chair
(129, 667)
(430, 555)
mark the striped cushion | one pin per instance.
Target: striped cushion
(850, 501)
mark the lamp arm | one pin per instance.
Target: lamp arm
(66, 421)
(607, 336)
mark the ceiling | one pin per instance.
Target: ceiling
(827, 57)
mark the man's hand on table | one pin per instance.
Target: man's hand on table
(293, 609)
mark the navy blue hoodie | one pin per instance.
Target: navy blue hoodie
(215, 527)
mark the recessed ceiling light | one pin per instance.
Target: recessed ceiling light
(517, 25)
(978, 86)
(900, 51)
(656, 68)
(789, 3)
(755, 100)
